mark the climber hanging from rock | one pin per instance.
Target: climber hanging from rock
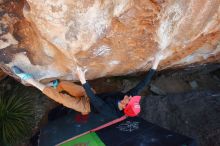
(79, 97)
(117, 104)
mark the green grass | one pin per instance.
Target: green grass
(16, 116)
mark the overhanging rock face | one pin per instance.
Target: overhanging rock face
(114, 37)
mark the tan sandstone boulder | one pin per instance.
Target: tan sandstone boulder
(47, 38)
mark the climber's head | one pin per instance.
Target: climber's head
(131, 105)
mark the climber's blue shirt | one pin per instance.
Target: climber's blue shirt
(107, 103)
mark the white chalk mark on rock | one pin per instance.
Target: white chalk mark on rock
(167, 29)
(128, 126)
(114, 62)
(102, 51)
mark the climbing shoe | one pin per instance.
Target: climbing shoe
(19, 72)
(55, 83)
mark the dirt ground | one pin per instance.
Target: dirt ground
(195, 114)
(189, 105)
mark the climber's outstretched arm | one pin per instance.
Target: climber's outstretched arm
(97, 102)
(140, 86)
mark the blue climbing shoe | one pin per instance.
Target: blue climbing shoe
(55, 83)
(19, 72)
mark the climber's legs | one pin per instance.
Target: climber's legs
(77, 104)
(73, 89)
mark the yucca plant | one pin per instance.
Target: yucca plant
(16, 116)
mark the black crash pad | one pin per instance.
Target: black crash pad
(138, 132)
(130, 132)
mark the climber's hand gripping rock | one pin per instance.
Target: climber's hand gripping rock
(81, 74)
